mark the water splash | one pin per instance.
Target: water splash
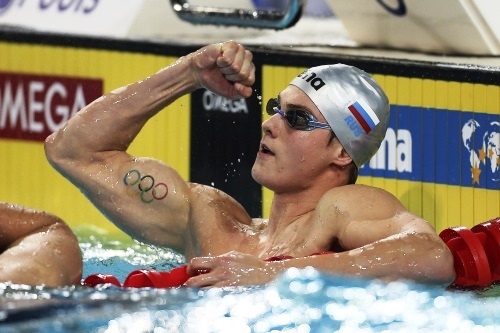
(299, 301)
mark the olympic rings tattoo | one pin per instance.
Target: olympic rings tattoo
(146, 186)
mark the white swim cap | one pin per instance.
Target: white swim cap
(353, 104)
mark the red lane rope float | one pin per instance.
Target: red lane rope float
(470, 260)
(489, 235)
(143, 278)
(97, 279)
(476, 253)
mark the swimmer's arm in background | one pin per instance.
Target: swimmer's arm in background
(37, 248)
(90, 150)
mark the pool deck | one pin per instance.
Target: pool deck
(310, 35)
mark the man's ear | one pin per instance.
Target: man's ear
(341, 157)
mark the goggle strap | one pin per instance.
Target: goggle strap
(318, 125)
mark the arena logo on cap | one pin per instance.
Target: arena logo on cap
(4, 5)
(364, 114)
(315, 81)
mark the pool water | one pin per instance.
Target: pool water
(299, 301)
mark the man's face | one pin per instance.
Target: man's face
(290, 159)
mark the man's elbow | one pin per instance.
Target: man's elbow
(53, 152)
(440, 266)
(61, 153)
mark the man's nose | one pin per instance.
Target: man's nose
(270, 126)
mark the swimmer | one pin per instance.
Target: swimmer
(325, 125)
(37, 248)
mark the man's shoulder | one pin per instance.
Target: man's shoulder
(207, 200)
(355, 196)
(354, 189)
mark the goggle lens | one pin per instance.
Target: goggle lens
(297, 119)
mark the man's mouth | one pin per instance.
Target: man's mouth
(265, 150)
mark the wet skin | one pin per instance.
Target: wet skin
(313, 208)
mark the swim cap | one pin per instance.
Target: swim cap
(353, 104)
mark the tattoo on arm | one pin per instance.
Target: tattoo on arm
(148, 189)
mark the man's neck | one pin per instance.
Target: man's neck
(288, 208)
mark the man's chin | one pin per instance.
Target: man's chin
(259, 176)
(255, 174)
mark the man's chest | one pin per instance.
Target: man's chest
(217, 232)
(296, 243)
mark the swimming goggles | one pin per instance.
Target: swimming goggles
(297, 119)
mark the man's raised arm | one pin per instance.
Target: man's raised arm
(144, 197)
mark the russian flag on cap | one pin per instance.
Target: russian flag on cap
(364, 114)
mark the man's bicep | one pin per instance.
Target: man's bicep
(144, 197)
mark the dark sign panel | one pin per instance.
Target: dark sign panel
(225, 136)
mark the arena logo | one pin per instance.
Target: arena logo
(315, 81)
(5, 5)
(395, 153)
(214, 102)
(32, 107)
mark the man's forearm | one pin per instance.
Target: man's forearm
(414, 256)
(111, 122)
